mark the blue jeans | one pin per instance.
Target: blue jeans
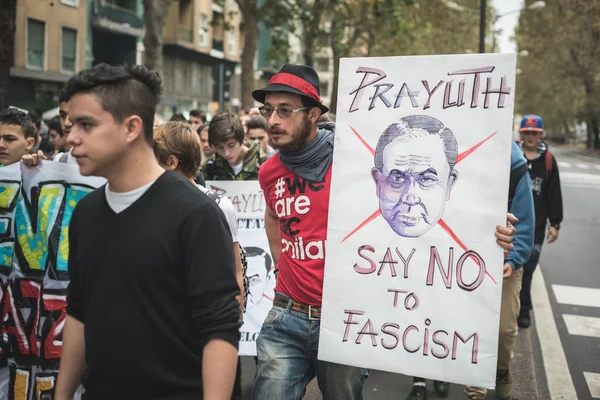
(528, 269)
(287, 361)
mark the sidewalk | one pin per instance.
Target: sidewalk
(387, 386)
(576, 150)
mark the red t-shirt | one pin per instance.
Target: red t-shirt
(302, 208)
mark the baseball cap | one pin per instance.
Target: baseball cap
(532, 123)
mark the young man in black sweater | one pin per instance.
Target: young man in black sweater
(547, 200)
(152, 309)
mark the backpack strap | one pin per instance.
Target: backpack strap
(548, 159)
(515, 178)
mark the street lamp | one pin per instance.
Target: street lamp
(535, 6)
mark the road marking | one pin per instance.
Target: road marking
(563, 164)
(577, 296)
(582, 166)
(582, 326)
(560, 384)
(593, 382)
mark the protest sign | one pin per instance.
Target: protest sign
(413, 274)
(249, 202)
(36, 205)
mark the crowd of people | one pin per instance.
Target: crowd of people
(180, 295)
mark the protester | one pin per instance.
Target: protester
(178, 117)
(547, 197)
(254, 112)
(42, 142)
(17, 135)
(57, 136)
(197, 118)
(235, 160)
(288, 341)
(257, 130)
(151, 304)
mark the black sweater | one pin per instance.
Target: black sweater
(547, 196)
(152, 285)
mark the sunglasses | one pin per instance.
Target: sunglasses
(283, 113)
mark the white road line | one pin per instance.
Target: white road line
(593, 381)
(560, 384)
(582, 326)
(562, 164)
(582, 166)
(577, 296)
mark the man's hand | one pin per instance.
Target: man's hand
(552, 234)
(507, 271)
(31, 160)
(506, 234)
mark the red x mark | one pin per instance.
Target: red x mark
(441, 222)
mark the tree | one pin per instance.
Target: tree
(155, 15)
(252, 13)
(559, 77)
(8, 13)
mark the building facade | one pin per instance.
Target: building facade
(202, 49)
(50, 47)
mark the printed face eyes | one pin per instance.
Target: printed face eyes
(398, 179)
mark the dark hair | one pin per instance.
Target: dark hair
(427, 126)
(12, 116)
(256, 123)
(62, 97)
(203, 127)
(178, 117)
(225, 126)
(252, 251)
(123, 91)
(35, 118)
(54, 124)
(198, 114)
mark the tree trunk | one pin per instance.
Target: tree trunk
(336, 77)
(155, 16)
(8, 11)
(251, 20)
(309, 49)
(595, 132)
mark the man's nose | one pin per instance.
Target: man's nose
(410, 195)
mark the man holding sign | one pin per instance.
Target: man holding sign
(296, 183)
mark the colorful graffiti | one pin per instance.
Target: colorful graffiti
(36, 206)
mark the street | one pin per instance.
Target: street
(566, 318)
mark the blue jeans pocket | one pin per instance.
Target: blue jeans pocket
(275, 315)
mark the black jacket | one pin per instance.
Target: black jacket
(547, 196)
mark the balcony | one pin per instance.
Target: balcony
(218, 49)
(185, 34)
(115, 11)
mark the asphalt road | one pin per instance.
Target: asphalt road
(571, 274)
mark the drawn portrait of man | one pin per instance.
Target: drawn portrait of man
(258, 274)
(414, 173)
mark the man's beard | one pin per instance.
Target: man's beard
(299, 138)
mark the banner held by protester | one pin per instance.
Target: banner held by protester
(413, 273)
(249, 202)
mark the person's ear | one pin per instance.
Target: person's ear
(30, 143)
(134, 127)
(172, 163)
(452, 178)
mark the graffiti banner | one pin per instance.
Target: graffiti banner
(413, 274)
(36, 205)
(249, 202)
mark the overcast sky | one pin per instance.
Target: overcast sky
(507, 23)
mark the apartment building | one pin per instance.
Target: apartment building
(202, 49)
(50, 46)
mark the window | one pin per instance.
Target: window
(232, 42)
(323, 64)
(203, 30)
(69, 50)
(233, 7)
(324, 89)
(36, 42)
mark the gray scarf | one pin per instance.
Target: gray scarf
(313, 161)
